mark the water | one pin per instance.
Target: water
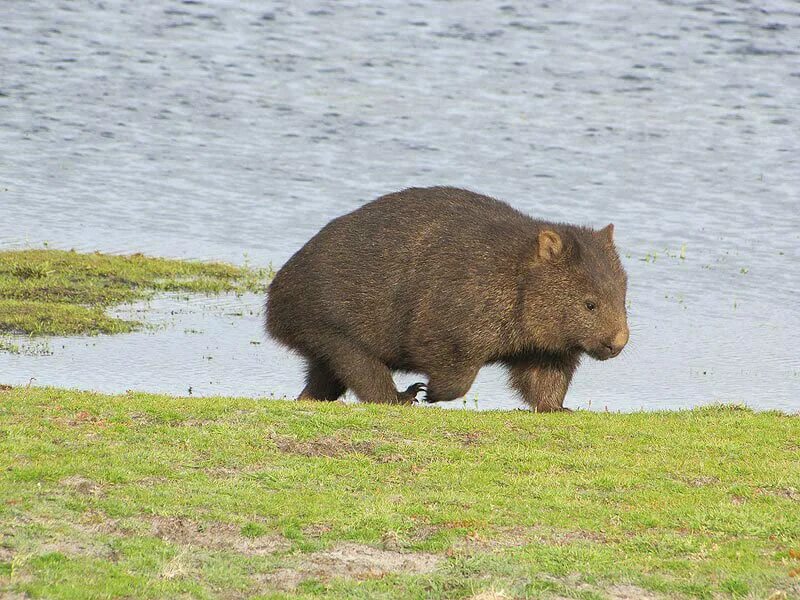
(229, 129)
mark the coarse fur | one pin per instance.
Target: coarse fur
(442, 281)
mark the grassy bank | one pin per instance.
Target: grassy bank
(150, 496)
(55, 292)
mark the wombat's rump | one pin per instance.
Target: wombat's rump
(442, 281)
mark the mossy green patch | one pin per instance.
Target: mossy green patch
(55, 292)
(58, 318)
(151, 496)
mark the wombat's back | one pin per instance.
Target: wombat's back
(381, 271)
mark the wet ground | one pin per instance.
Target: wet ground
(229, 130)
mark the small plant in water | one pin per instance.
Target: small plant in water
(7, 345)
(650, 257)
(28, 347)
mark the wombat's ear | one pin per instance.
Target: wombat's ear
(550, 245)
(608, 232)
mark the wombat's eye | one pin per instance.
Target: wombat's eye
(590, 305)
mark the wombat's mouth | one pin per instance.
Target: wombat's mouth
(610, 347)
(604, 352)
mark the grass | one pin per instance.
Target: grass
(58, 318)
(55, 292)
(151, 496)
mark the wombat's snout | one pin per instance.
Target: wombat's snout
(616, 345)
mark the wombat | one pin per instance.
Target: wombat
(442, 281)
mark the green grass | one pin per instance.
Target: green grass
(58, 318)
(55, 292)
(151, 496)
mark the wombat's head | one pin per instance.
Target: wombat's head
(576, 297)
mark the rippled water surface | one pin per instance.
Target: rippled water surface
(226, 130)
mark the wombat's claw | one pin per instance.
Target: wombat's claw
(414, 389)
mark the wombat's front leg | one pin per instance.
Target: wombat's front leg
(543, 380)
(410, 395)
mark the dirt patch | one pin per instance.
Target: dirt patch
(491, 595)
(208, 535)
(6, 554)
(78, 547)
(82, 485)
(53, 537)
(351, 561)
(329, 446)
(630, 592)
(393, 540)
(284, 579)
(565, 538)
(195, 422)
(390, 458)
(522, 536)
(701, 481)
(623, 591)
(142, 418)
(181, 565)
(467, 439)
(226, 472)
(789, 493)
(84, 417)
(475, 542)
(471, 439)
(316, 530)
(214, 536)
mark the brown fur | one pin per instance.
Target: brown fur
(442, 281)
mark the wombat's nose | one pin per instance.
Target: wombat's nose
(616, 345)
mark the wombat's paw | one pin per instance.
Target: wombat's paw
(414, 389)
(544, 409)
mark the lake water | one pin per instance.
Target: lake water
(235, 130)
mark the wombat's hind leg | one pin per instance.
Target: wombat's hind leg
(449, 385)
(321, 383)
(366, 376)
